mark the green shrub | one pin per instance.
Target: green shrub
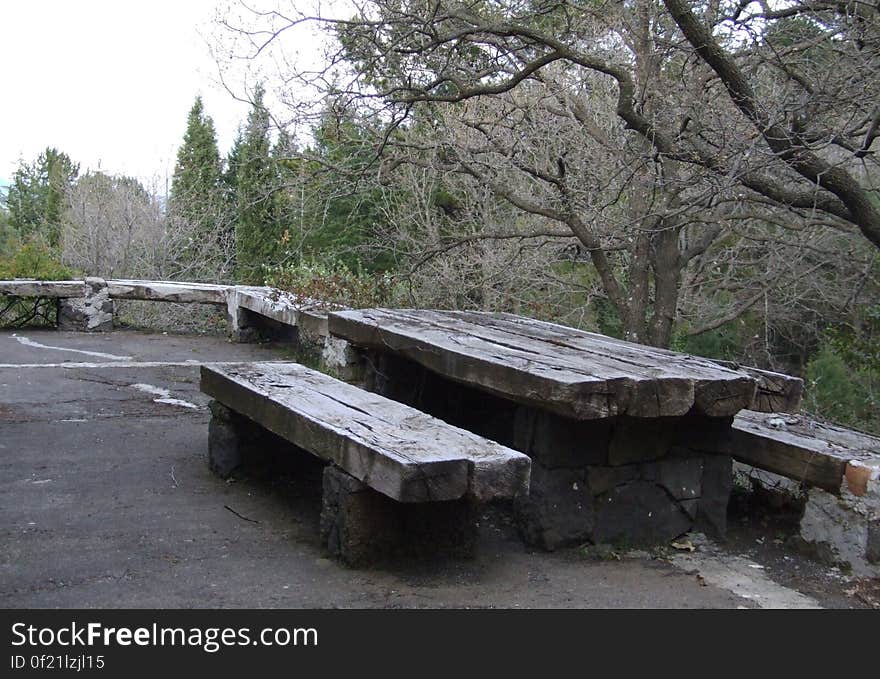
(34, 259)
(332, 284)
(31, 259)
(843, 378)
(733, 341)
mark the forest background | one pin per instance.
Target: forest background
(697, 175)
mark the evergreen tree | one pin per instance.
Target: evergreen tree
(35, 199)
(229, 178)
(348, 200)
(289, 198)
(196, 192)
(7, 233)
(257, 229)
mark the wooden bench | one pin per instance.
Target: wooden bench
(817, 454)
(398, 477)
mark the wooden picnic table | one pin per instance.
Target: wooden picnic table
(576, 374)
(603, 420)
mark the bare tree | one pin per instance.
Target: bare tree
(115, 227)
(459, 247)
(656, 136)
(108, 224)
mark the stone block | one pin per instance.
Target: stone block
(342, 359)
(845, 526)
(558, 442)
(358, 525)
(639, 513)
(92, 313)
(99, 306)
(641, 439)
(637, 504)
(681, 475)
(716, 486)
(690, 507)
(558, 511)
(224, 440)
(603, 479)
(362, 526)
(71, 314)
(236, 443)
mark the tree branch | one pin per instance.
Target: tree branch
(808, 165)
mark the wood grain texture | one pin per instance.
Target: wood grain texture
(571, 372)
(395, 449)
(269, 303)
(160, 291)
(34, 288)
(802, 449)
(776, 392)
(168, 291)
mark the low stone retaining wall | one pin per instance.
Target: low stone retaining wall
(252, 311)
(93, 312)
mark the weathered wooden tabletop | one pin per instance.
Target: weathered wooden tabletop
(571, 372)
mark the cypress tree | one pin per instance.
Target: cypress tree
(230, 172)
(196, 191)
(257, 229)
(36, 197)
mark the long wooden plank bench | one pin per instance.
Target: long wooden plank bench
(818, 454)
(396, 471)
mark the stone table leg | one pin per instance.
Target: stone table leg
(362, 526)
(226, 434)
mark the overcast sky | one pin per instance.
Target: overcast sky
(109, 82)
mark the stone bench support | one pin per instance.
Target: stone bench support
(91, 313)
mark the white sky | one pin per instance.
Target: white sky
(108, 82)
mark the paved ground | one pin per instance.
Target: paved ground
(106, 501)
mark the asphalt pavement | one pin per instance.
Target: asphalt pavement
(106, 501)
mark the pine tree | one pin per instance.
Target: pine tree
(196, 191)
(229, 177)
(36, 197)
(288, 199)
(257, 230)
(348, 199)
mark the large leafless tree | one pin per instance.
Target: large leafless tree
(659, 134)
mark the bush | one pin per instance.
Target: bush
(843, 379)
(333, 284)
(34, 259)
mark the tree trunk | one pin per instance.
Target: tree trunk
(665, 263)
